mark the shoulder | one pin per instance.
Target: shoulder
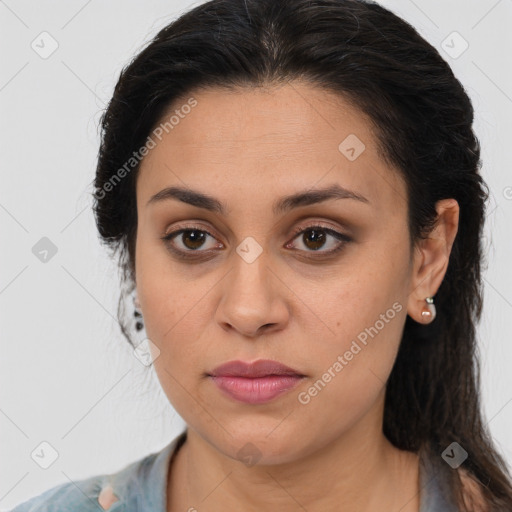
(141, 483)
(96, 493)
(79, 496)
(472, 492)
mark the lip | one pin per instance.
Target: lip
(257, 382)
(260, 368)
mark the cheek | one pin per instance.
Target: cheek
(161, 293)
(363, 315)
(161, 296)
(363, 348)
(353, 366)
(176, 312)
(173, 320)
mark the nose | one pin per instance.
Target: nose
(253, 299)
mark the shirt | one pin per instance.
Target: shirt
(142, 487)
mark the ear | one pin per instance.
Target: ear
(431, 258)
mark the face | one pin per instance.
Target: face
(320, 284)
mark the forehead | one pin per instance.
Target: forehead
(290, 137)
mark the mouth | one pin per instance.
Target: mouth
(255, 383)
(260, 368)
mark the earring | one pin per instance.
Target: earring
(428, 313)
(139, 324)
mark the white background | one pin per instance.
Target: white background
(67, 375)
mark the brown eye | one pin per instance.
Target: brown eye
(315, 238)
(193, 239)
(188, 240)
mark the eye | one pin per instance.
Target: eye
(185, 241)
(315, 237)
(192, 238)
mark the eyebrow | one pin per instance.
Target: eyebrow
(282, 205)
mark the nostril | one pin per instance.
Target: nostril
(107, 498)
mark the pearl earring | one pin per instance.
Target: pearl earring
(428, 313)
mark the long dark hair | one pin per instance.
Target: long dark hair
(422, 119)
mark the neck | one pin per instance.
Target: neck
(360, 471)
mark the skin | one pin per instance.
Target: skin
(249, 148)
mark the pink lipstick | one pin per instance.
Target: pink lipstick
(257, 382)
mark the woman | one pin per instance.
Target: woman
(293, 192)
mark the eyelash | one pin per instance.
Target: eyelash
(341, 237)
